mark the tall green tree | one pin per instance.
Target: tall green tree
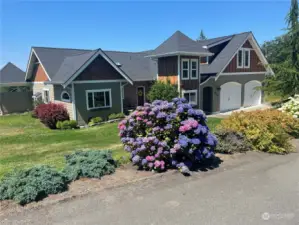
(283, 54)
(202, 36)
(293, 31)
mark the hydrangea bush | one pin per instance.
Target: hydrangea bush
(166, 134)
(292, 106)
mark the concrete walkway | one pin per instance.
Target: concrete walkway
(247, 109)
(255, 189)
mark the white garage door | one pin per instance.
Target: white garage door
(230, 96)
(251, 95)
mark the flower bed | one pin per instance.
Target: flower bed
(165, 135)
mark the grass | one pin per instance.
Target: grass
(26, 142)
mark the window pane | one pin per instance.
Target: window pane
(99, 99)
(66, 96)
(240, 55)
(90, 101)
(246, 55)
(194, 65)
(186, 96)
(107, 95)
(193, 97)
(185, 73)
(193, 73)
(185, 65)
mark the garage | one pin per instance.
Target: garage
(230, 96)
(252, 96)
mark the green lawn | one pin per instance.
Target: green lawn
(25, 142)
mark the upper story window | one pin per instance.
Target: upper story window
(204, 60)
(243, 58)
(65, 96)
(194, 69)
(185, 69)
(96, 99)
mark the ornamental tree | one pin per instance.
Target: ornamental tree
(166, 134)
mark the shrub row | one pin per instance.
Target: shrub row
(67, 124)
(38, 182)
(266, 130)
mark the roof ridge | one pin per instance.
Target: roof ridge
(80, 49)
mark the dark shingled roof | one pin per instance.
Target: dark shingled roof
(11, 74)
(226, 54)
(52, 58)
(179, 42)
(61, 63)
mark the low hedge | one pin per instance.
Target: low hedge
(36, 183)
(266, 130)
(115, 116)
(92, 164)
(95, 120)
(32, 184)
(67, 124)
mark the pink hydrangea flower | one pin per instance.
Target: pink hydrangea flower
(139, 118)
(157, 163)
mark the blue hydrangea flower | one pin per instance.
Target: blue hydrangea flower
(161, 115)
(195, 141)
(143, 162)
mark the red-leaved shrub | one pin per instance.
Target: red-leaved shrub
(49, 114)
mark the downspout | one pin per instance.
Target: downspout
(73, 102)
(121, 95)
(179, 75)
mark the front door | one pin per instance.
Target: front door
(140, 96)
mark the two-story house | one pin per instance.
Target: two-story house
(218, 74)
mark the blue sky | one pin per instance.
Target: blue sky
(128, 26)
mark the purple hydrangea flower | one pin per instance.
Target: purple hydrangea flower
(161, 115)
(143, 162)
(153, 148)
(136, 159)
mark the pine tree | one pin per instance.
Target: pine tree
(202, 36)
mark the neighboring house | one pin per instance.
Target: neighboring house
(15, 93)
(218, 74)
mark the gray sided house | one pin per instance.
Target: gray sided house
(218, 74)
(15, 93)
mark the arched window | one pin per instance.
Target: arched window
(65, 96)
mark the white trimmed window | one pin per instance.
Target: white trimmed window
(185, 69)
(190, 96)
(46, 96)
(246, 53)
(97, 99)
(194, 69)
(243, 58)
(240, 59)
(65, 96)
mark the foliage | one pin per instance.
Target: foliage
(267, 130)
(92, 164)
(32, 184)
(167, 134)
(202, 36)
(291, 106)
(283, 55)
(95, 120)
(67, 124)
(114, 116)
(49, 114)
(285, 82)
(162, 90)
(230, 142)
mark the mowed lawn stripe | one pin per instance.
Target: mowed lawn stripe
(25, 142)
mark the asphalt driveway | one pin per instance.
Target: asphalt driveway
(254, 189)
